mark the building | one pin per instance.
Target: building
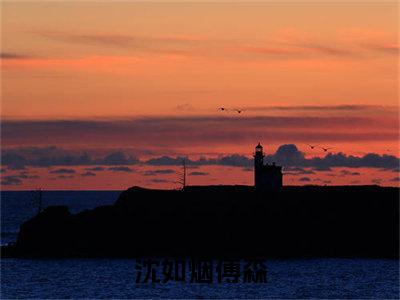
(266, 177)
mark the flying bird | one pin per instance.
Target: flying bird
(239, 111)
(325, 149)
(222, 109)
(312, 146)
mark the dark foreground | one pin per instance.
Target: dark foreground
(222, 221)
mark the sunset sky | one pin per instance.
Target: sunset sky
(106, 95)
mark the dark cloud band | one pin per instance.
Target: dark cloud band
(176, 132)
(287, 155)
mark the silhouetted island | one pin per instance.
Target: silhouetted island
(222, 221)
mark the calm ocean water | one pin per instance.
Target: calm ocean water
(115, 278)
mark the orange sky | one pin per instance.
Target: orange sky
(90, 61)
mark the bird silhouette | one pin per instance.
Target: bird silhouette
(222, 109)
(239, 111)
(312, 146)
(325, 149)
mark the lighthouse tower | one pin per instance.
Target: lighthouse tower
(258, 164)
(266, 177)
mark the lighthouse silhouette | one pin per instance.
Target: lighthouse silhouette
(266, 177)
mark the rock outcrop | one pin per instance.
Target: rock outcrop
(222, 221)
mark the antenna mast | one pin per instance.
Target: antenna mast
(182, 179)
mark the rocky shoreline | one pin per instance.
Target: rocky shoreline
(221, 221)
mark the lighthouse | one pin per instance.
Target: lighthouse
(267, 177)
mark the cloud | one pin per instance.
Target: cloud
(390, 49)
(395, 179)
(120, 169)
(10, 55)
(229, 160)
(298, 171)
(156, 180)
(25, 175)
(279, 46)
(91, 39)
(178, 132)
(88, 174)
(166, 161)
(63, 171)
(305, 179)
(195, 45)
(10, 180)
(198, 173)
(158, 172)
(294, 44)
(15, 180)
(95, 169)
(19, 158)
(149, 44)
(118, 158)
(340, 108)
(42, 157)
(13, 161)
(299, 50)
(326, 49)
(346, 173)
(287, 155)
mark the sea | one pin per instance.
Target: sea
(116, 278)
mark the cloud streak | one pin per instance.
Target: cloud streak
(340, 108)
(198, 173)
(198, 130)
(63, 171)
(121, 169)
(15, 56)
(176, 45)
(117, 40)
(52, 156)
(390, 49)
(88, 174)
(11, 181)
(306, 50)
(294, 160)
(207, 47)
(158, 172)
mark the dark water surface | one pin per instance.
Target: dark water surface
(102, 278)
(115, 278)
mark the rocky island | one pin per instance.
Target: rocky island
(222, 221)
